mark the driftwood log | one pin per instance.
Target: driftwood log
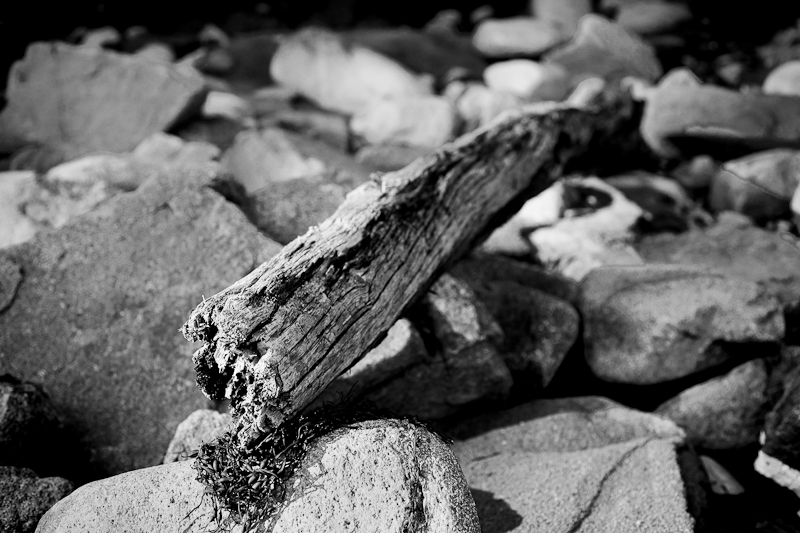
(277, 337)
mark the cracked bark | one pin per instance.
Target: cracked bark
(277, 337)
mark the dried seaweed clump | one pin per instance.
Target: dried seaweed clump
(250, 483)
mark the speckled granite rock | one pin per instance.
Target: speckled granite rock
(24, 498)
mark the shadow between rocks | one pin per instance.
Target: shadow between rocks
(495, 515)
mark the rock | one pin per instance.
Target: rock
(779, 457)
(759, 185)
(466, 367)
(390, 157)
(598, 232)
(652, 16)
(119, 171)
(586, 92)
(722, 481)
(101, 37)
(24, 497)
(372, 476)
(516, 36)
(795, 206)
(567, 14)
(725, 412)
(331, 128)
(654, 323)
(286, 209)
(665, 204)
(28, 426)
(527, 80)
(168, 150)
(425, 121)
(544, 209)
(227, 105)
(577, 464)
(697, 173)
(87, 100)
(735, 248)
(204, 425)
(111, 290)
(437, 52)
(603, 49)
(16, 187)
(478, 105)
(784, 79)
(401, 349)
(319, 66)
(245, 60)
(156, 52)
(259, 159)
(681, 108)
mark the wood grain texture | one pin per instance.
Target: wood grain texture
(277, 337)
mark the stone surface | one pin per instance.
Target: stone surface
(286, 209)
(425, 121)
(111, 291)
(389, 157)
(784, 79)
(725, 412)
(566, 13)
(605, 50)
(596, 230)
(794, 205)
(227, 105)
(204, 425)
(736, 248)
(759, 185)
(169, 150)
(401, 349)
(722, 481)
(516, 36)
(652, 16)
(528, 80)
(576, 464)
(331, 128)
(318, 65)
(16, 187)
(465, 368)
(654, 323)
(89, 100)
(29, 425)
(259, 159)
(664, 202)
(382, 475)
(24, 498)
(478, 105)
(681, 107)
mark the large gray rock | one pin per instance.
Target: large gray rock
(24, 498)
(384, 475)
(578, 464)
(725, 412)
(654, 323)
(603, 49)
(84, 100)
(322, 67)
(204, 425)
(96, 316)
(465, 368)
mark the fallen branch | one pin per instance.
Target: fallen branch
(277, 337)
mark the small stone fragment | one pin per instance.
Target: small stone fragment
(528, 80)
(567, 14)
(227, 105)
(665, 204)
(603, 49)
(16, 188)
(425, 121)
(204, 425)
(723, 413)
(518, 36)
(654, 323)
(318, 65)
(478, 105)
(722, 481)
(390, 157)
(24, 498)
(784, 79)
(652, 16)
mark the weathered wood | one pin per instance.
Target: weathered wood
(277, 337)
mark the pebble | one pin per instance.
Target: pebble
(16, 188)
(726, 412)
(101, 37)
(227, 105)
(478, 105)
(784, 79)
(390, 157)
(317, 64)
(722, 481)
(516, 36)
(604, 49)
(567, 14)
(423, 121)
(664, 202)
(649, 17)
(527, 80)
(654, 323)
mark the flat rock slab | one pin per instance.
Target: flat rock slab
(96, 316)
(383, 476)
(83, 99)
(576, 465)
